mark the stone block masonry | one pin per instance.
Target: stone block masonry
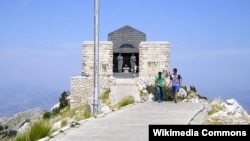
(105, 58)
(153, 57)
(82, 89)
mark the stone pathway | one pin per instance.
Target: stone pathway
(131, 122)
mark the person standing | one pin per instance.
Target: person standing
(120, 62)
(132, 62)
(176, 83)
(167, 77)
(159, 81)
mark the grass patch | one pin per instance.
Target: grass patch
(78, 113)
(126, 101)
(87, 111)
(64, 123)
(38, 130)
(216, 106)
(105, 95)
(105, 98)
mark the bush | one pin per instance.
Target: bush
(105, 95)
(126, 101)
(87, 111)
(167, 92)
(192, 88)
(55, 111)
(38, 130)
(63, 100)
(202, 97)
(46, 115)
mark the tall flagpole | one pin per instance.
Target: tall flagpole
(96, 58)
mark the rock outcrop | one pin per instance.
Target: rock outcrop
(19, 122)
(227, 112)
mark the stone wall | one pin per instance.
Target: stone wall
(82, 89)
(105, 58)
(153, 57)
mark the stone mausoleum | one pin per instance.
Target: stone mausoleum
(151, 57)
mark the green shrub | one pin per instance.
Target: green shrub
(202, 97)
(167, 92)
(55, 111)
(46, 115)
(151, 89)
(87, 111)
(126, 101)
(192, 88)
(105, 95)
(22, 137)
(38, 130)
(77, 113)
(64, 102)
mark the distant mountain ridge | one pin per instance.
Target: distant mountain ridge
(22, 99)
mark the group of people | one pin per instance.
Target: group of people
(132, 63)
(174, 83)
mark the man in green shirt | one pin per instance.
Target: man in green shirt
(159, 81)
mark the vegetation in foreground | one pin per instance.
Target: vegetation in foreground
(168, 95)
(63, 116)
(38, 130)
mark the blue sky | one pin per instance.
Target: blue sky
(40, 40)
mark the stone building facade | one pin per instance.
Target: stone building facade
(152, 57)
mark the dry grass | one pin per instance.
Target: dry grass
(216, 106)
(217, 115)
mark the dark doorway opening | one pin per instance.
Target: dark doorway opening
(126, 61)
